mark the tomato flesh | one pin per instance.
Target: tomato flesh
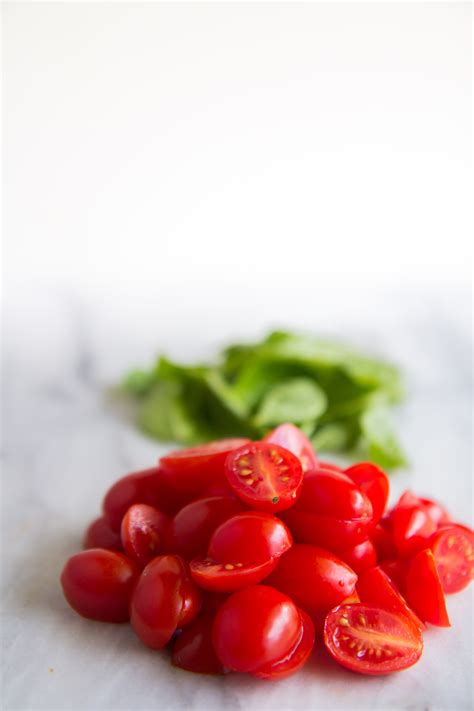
(375, 587)
(453, 550)
(100, 534)
(370, 640)
(295, 441)
(295, 659)
(227, 577)
(142, 532)
(265, 476)
(424, 592)
(98, 584)
(373, 482)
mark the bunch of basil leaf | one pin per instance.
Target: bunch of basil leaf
(339, 397)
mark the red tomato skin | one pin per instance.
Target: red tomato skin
(217, 578)
(100, 535)
(248, 538)
(98, 584)
(397, 572)
(375, 588)
(193, 649)
(161, 600)
(383, 543)
(330, 533)
(142, 532)
(453, 551)
(191, 529)
(196, 469)
(333, 495)
(295, 441)
(424, 592)
(434, 510)
(412, 529)
(272, 489)
(314, 578)
(143, 487)
(255, 627)
(329, 465)
(374, 483)
(295, 659)
(360, 557)
(337, 638)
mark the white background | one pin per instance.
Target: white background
(180, 175)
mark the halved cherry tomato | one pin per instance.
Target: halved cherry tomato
(360, 557)
(375, 587)
(255, 628)
(192, 527)
(330, 533)
(411, 529)
(101, 535)
(314, 578)
(383, 542)
(265, 476)
(453, 550)
(192, 471)
(423, 590)
(295, 441)
(434, 510)
(164, 599)
(296, 658)
(143, 487)
(370, 640)
(98, 584)
(373, 482)
(242, 551)
(143, 530)
(193, 649)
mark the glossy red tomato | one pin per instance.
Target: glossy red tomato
(194, 470)
(294, 659)
(423, 590)
(373, 482)
(396, 570)
(101, 535)
(331, 533)
(383, 543)
(375, 587)
(256, 627)
(193, 649)
(98, 584)
(296, 442)
(192, 527)
(411, 529)
(329, 465)
(265, 476)
(360, 557)
(218, 577)
(370, 640)
(434, 510)
(453, 550)
(143, 532)
(335, 495)
(144, 487)
(315, 579)
(164, 599)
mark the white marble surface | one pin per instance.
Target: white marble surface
(63, 446)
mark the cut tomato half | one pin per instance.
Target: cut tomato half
(375, 587)
(453, 550)
(295, 659)
(424, 592)
(229, 577)
(294, 440)
(373, 482)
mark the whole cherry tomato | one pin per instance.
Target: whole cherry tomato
(193, 649)
(101, 535)
(360, 557)
(295, 441)
(98, 584)
(373, 482)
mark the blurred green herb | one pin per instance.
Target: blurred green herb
(340, 397)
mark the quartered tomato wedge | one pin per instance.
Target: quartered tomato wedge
(193, 649)
(375, 587)
(424, 592)
(295, 659)
(294, 440)
(194, 470)
(370, 640)
(373, 482)
(265, 476)
(453, 550)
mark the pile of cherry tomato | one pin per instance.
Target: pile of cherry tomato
(243, 555)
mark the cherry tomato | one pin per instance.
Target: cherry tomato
(101, 535)
(373, 482)
(98, 584)
(383, 543)
(397, 572)
(329, 465)
(192, 527)
(330, 533)
(295, 441)
(249, 537)
(144, 487)
(411, 528)
(194, 470)
(314, 578)
(143, 530)
(227, 577)
(423, 590)
(360, 557)
(256, 627)
(453, 550)
(370, 640)
(164, 599)
(434, 510)
(265, 476)
(193, 649)
(296, 658)
(375, 587)
(333, 494)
